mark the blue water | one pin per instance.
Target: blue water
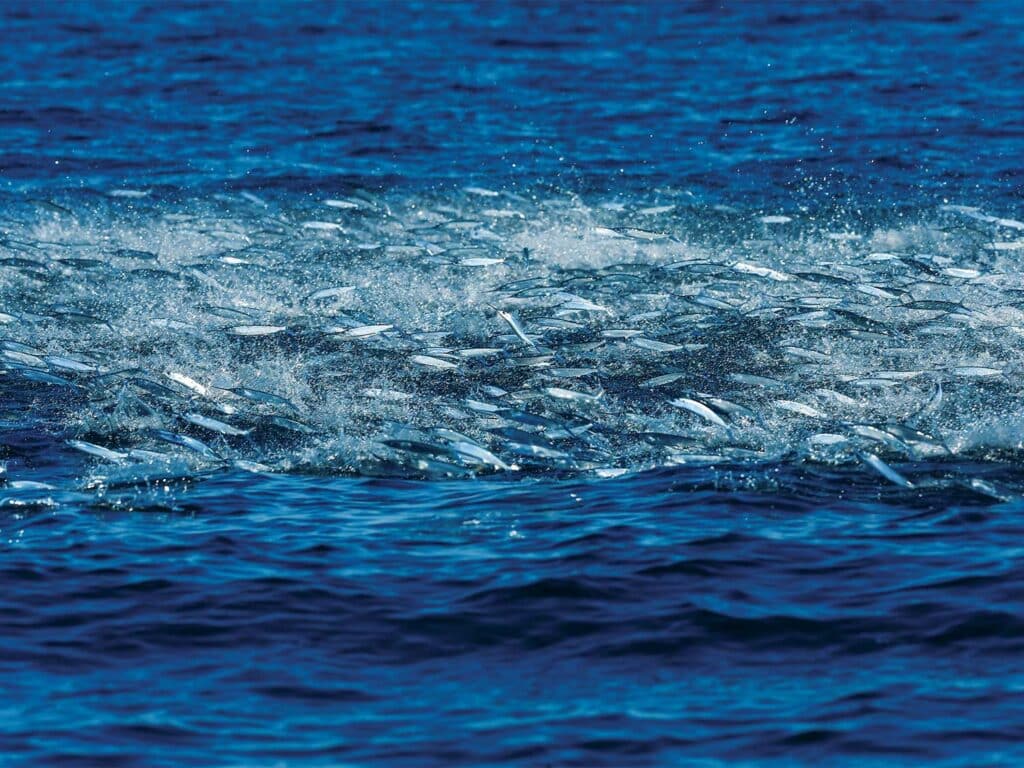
(758, 100)
(623, 610)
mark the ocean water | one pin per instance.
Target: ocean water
(528, 384)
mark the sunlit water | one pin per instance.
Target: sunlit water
(522, 386)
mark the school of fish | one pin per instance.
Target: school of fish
(486, 332)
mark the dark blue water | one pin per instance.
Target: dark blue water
(757, 100)
(773, 611)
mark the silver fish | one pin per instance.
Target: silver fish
(577, 397)
(885, 470)
(698, 408)
(517, 329)
(215, 425)
(185, 441)
(97, 450)
(433, 362)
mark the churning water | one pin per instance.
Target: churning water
(511, 385)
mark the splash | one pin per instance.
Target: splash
(481, 332)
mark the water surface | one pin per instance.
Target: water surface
(545, 384)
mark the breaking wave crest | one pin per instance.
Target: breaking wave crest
(482, 332)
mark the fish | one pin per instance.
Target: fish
(550, 331)
(517, 329)
(44, 377)
(482, 407)
(663, 380)
(532, 450)
(570, 373)
(471, 451)
(571, 302)
(99, 451)
(256, 330)
(880, 435)
(323, 226)
(8, 345)
(756, 381)
(642, 234)
(228, 313)
(728, 407)
(976, 371)
(342, 204)
(584, 398)
(481, 261)
(259, 396)
(433, 362)
(885, 470)
(250, 466)
(698, 408)
(68, 364)
(755, 269)
(215, 425)
(291, 425)
(331, 293)
(154, 388)
(654, 345)
(801, 408)
(185, 441)
(366, 331)
(811, 355)
(188, 382)
(23, 357)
